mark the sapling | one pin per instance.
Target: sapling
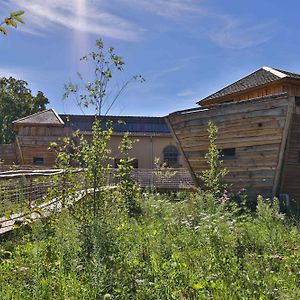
(214, 175)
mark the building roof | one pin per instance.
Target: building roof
(120, 124)
(46, 117)
(262, 76)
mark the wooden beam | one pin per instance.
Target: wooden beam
(20, 152)
(283, 146)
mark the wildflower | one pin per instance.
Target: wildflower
(139, 281)
(224, 198)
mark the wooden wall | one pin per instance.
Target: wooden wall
(8, 154)
(255, 128)
(291, 172)
(283, 86)
(34, 141)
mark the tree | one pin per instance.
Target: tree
(12, 20)
(16, 101)
(214, 175)
(97, 91)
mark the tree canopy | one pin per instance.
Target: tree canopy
(16, 101)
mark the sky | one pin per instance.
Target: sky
(185, 49)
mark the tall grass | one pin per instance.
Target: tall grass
(193, 249)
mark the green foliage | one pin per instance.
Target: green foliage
(95, 158)
(192, 249)
(127, 186)
(162, 172)
(12, 20)
(16, 101)
(213, 176)
(95, 91)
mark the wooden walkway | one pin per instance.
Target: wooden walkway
(23, 193)
(41, 211)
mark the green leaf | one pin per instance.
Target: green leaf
(13, 23)
(17, 13)
(3, 30)
(20, 20)
(198, 286)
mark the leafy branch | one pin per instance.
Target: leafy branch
(96, 92)
(214, 175)
(12, 20)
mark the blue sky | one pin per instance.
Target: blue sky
(185, 49)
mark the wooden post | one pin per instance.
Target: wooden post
(283, 146)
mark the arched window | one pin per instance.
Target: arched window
(171, 156)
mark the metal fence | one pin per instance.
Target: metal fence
(23, 191)
(29, 187)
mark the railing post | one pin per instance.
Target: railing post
(30, 192)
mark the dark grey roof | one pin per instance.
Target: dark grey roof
(258, 78)
(289, 74)
(46, 117)
(128, 123)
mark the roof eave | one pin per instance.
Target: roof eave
(217, 100)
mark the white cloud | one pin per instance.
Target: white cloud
(168, 8)
(96, 17)
(79, 15)
(226, 31)
(233, 34)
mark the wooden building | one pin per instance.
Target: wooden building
(34, 134)
(259, 132)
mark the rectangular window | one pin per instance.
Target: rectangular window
(38, 160)
(299, 157)
(228, 153)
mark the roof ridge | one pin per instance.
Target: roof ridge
(275, 72)
(57, 116)
(111, 116)
(39, 113)
(228, 85)
(29, 116)
(262, 76)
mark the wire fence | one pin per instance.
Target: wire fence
(24, 190)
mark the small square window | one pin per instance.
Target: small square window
(228, 153)
(38, 160)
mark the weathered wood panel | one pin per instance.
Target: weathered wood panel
(254, 128)
(29, 152)
(8, 154)
(33, 142)
(291, 174)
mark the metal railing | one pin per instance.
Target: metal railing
(24, 190)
